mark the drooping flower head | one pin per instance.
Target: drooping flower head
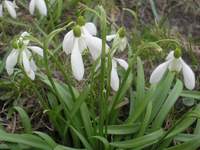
(38, 4)
(10, 6)
(114, 80)
(81, 37)
(119, 39)
(174, 62)
(21, 53)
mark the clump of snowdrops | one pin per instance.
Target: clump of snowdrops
(89, 118)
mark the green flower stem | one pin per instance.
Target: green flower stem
(102, 98)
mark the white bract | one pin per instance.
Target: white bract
(114, 80)
(21, 53)
(119, 40)
(174, 64)
(10, 6)
(40, 5)
(76, 41)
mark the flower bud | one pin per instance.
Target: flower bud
(122, 32)
(81, 21)
(77, 31)
(177, 53)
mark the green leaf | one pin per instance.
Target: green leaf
(123, 129)
(134, 14)
(63, 90)
(26, 139)
(192, 144)
(140, 142)
(160, 93)
(197, 129)
(47, 138)
(82, 138)
(140, 109)
(184, 137)
(167, 106)
(82, 97)
(191, 94)
(154, 10)
(86, 120)
(24, 119)
(145, 122)
(188, 119)
(60, 147)
(104, 141)
(140, 83)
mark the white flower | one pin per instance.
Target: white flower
(22, 53)
(40, 5)
(10, 6)
(1, 10)
(174, 64)
(76, 41)
(119, 40)
(114, 80)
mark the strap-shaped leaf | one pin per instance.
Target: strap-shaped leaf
(167, 106)
(24, 119)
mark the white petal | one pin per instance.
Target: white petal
(33, 65)
(32, 62)
(1, 10)
(68, 42)
(77, 62)
(122, 63)
(27, 66)
(32, 7)
(82, 44)
(41, 6)
(189, 77)
(170, 55)
(11, 61)
(110, 37)
(91, 28)
(114, 80)
(95, 46)
(175, 65)
(158, 73)
(11, 8)
(37, 50)
(28, 53)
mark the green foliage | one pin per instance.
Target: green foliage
(92, 117)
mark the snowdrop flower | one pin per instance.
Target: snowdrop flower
(77, 40)
(21, 53)
(119, 39)
(40, 5)
(1, 10)
(114, 80)
(10, 6)
(174, 62)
